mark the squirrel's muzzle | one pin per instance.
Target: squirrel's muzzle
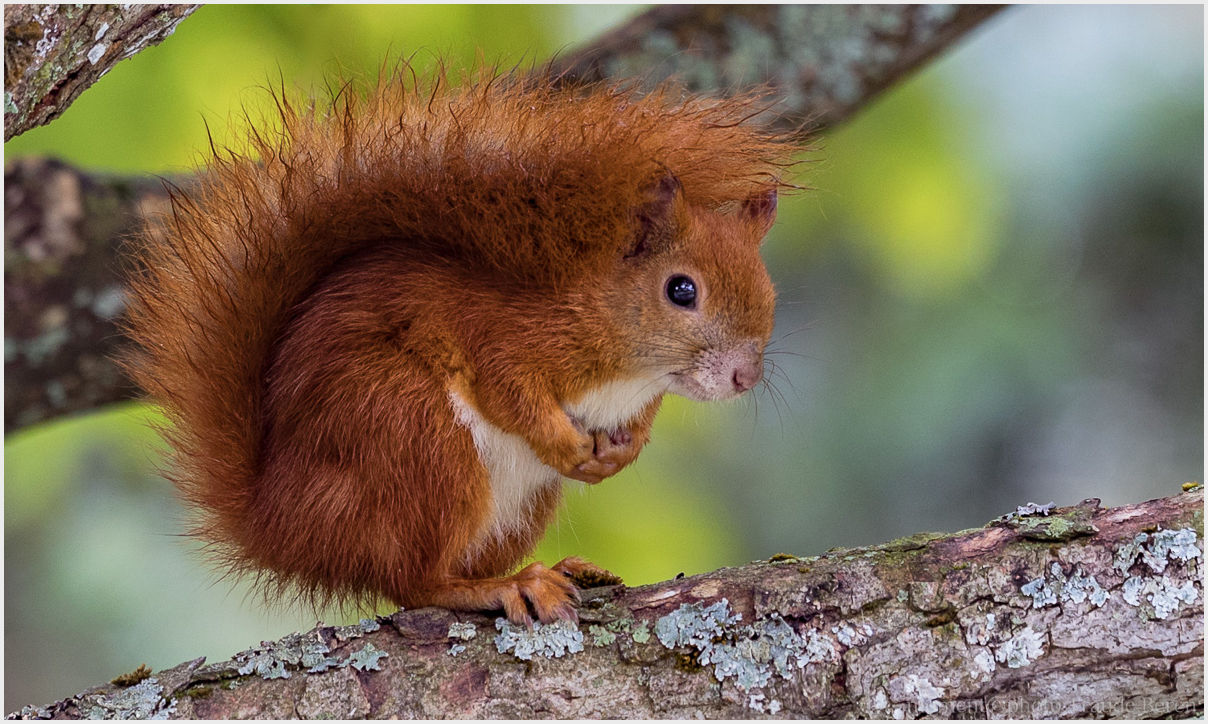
(721, 374)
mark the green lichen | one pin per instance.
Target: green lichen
(1153, 586)
(601, 636)
(641, 633)
(1021, 649)
(29, 711)
(1158, 548)
(914, 542)
(463, 632)
(143, 700)
(751, 655)
(367, 659)
(273, 660)
(546, 640)
(1066, 526)
(694, 625)
(620, 625)
(1161, 593)
(1058, 587)
(308, 652)
(356, 630)
(914, 689)
(849, 635)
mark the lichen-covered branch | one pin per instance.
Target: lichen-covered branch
(53, 52)
(63, 286)
(58, 357)
(1068, 613)
(820, 63)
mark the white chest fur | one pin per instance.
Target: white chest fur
(512, 467)
(515, 472)
(612, 404)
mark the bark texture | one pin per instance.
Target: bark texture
(1067, 613)
(64, 288)
(821, 64)
(53, 52)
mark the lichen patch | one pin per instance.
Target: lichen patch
(461, 632)
(144, 700)
(751, 656)
(916, 690)
(368, 658)
(1057, 588)
(1161, 592)
(1157, 549)
(1023, 648)
(549, 640)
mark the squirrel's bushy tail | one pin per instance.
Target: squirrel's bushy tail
(509, 174)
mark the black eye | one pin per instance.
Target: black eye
(681, 290)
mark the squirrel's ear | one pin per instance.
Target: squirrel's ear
(656, 217)
(760, 210)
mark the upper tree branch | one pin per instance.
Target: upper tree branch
(1084, 612)
(53, 52)
(821, 63)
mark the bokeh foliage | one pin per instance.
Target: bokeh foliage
(994, 293)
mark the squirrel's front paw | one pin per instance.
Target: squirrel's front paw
(612, 451)
(575, 448)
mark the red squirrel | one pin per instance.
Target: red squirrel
(384, 331)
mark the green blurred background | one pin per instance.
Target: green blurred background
(994, 295)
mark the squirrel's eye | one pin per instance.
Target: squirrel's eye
(681, 290)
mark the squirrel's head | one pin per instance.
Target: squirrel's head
(697, 296)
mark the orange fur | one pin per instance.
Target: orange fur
(347, 320)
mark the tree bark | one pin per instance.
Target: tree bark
(53, 52)
(819, 63)
(1068, 613)
(58, 357)
(64, 287)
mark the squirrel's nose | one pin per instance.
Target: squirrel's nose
(747, 376)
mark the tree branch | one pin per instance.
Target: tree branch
(53, 52)
(1069, 613)
(64, 286)
(58, 358)
(820, 63)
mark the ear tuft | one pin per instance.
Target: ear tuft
(656, 217)
(760, 210)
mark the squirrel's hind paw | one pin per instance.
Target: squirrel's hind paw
(534, 589)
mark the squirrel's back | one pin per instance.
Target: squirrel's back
(510, 175)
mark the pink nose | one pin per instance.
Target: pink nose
(747, 376)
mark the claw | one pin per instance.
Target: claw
(567, 612)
